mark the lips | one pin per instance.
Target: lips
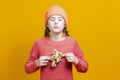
(56, 27)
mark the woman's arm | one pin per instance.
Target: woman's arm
(82, 65)
(30, 65)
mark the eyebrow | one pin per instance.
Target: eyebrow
(54, 17)
(60, 17)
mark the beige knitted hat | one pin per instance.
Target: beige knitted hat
(56, 10)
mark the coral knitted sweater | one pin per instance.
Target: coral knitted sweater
(63, 70)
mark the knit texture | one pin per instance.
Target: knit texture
(63, 70)
(56, 10)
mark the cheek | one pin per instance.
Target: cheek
(50, 28)
(61, 23)
(50, 24)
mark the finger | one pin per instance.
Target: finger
(63, 55)
(46, 58)
(45, 61)
(43, 64)
(49, 58)
(69, 54)
(69, 59)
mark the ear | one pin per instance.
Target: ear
(46, 25)
(64, 25)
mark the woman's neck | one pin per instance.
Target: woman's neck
(57, 36)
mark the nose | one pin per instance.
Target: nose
(56, 22)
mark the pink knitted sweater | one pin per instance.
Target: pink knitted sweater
(63, 70)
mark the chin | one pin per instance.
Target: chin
(57, 32)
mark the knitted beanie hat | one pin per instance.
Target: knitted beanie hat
(56, 10)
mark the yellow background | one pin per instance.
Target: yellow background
(94, 23)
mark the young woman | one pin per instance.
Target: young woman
(56, 38)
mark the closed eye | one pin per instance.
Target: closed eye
(52, 18)
(60, 18)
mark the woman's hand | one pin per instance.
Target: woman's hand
(71, 58)
(42, 61)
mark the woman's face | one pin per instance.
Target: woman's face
(56, 24)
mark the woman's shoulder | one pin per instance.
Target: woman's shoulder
(72, 39)
(37, 41)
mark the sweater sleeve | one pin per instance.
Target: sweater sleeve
(82, 65)
(30, 65)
